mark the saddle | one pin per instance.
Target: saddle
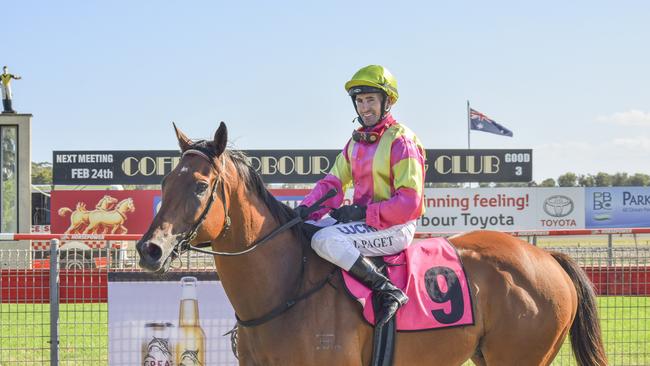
(431, 274)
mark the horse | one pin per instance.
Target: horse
(291, 305)
(112, 220)
(79, 217)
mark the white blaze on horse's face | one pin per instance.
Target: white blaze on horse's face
(185, 193)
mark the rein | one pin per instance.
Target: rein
(185, 245)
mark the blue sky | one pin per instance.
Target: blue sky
(569, 78)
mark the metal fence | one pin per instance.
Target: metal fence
(39, 325)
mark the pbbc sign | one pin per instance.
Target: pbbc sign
(284, 166)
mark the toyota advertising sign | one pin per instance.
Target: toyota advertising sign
(506, 209)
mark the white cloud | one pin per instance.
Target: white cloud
(633, 117)
(622, 154)
(563, 147)
(638, 144)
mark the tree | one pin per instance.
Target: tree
(640, 180)
(42, 173)
(620, 179)
(567, 180)
(586, 180)
(548, 182)
(603, 180)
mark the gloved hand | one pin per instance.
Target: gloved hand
(301, 211)
(349, 213)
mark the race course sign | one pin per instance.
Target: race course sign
(284, 166)
(112, 167)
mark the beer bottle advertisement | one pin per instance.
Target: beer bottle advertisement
(190, 342)
(176, 320)
(156, 348)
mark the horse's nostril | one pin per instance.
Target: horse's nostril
(153, 251)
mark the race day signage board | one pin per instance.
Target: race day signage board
(504, 209)
(617, 207)
(452, 210)
(446, 209)
(284, 166)
(176, 319)
(463, 165)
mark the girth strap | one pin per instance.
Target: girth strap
(286, 306)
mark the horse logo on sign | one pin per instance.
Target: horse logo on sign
(108, 216)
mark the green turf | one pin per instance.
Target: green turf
(625, 322)
(25, 329)
(589, 241)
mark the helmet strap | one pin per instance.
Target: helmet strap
(358, 117)
(384, 102)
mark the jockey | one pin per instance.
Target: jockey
(384, 162)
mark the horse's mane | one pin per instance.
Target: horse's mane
(281, 212)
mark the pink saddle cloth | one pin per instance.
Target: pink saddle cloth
(432, 276)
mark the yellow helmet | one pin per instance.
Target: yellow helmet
(373, 79)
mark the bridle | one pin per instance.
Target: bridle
(184, 245)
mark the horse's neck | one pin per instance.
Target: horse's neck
(123, 208)
(259, 281)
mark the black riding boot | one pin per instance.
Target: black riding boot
(391, 297)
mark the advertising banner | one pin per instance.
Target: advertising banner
(507, 209)
(102, 212)
(559, 208)
(284, 166)
(447, 209)
(177, 319)
(112, 167)
(616, 207)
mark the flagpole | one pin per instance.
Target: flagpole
(469, 123)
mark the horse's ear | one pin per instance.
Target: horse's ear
(220, 139)
(183, 141)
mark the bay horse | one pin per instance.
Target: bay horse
(291, 305)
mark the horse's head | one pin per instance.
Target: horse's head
(191, 205)
(106, 203)
(126, 205)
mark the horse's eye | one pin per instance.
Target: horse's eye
(201, 187)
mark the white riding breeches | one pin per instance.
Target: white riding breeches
(342, 244)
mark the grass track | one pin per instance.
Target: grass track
(25, 329)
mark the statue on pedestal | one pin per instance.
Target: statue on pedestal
(5, 80)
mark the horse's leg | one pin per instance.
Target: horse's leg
(90, 227)
(518, 350)
(443, 347)
(529, 325)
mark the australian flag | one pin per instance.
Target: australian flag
(479, 121)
